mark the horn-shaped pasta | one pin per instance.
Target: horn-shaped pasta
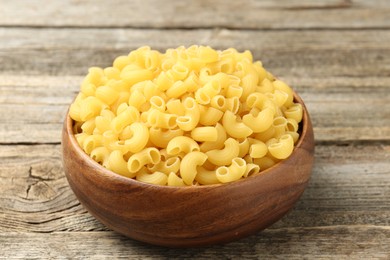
(139, 139)
(191, 117)
(232, 173)
(226, 155)
(125, 118)
(182, 144)
(233, 127)
(251, 169)
(157, 178)
(217, 144)
(260, 121)
(205, 134)
(140, 159)
(174, 180)
(283, 148)
(209, 115)
(206, 177)
(117, 163)
(189, 164)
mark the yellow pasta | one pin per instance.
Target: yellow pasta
(206, 177)
(209, 115)
(189, 164)
(258, 150)
(233, 127)
(251, 168)
(259, 121)
(225, 155)
(140, 159)
(218, 143)
(174, 180)
(189, 116)
(157, 178)
(205, 134)
(139, 138)
(283, 148)
(232, 173)
(182, 144)
(117, 163)
(160, 137)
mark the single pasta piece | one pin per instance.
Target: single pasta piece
(100, 155)
(117, 163)
(90, 107)
(206, 177)
(204, 134)
(188, 166)
(279, 124)
(174, 180)
(280, 85)
(191, 117)
(251, 168)
(283, 148)
(182, 144)
(125, 118)
(171, 164)
(259, 121)
(158, 103)
(140, 159)
(164, 81)
(174, 106)
(209, 116)
(91, 142)
(218, 143)
(258, 150)
(157, 178)
(294, 112)
(107, 94)
(139, 138)
(226, 155)
(160, 119)
(232, 173)
(233, 127)
(244, 147)
(177, 89)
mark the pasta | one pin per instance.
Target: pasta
(188, 166)
(189, 116)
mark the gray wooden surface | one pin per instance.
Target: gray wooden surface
(335, 53)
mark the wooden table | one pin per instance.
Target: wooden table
(335, 53)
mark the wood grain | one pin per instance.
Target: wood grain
(349, 184)
(342, 108)
(285, 14)
(299, 53)
(353, 242)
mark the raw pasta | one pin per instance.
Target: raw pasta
(189, 116)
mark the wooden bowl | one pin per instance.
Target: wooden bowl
(189, 216)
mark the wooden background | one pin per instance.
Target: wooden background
(335, 53)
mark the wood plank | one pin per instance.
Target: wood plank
(204, 14)
(350, 242)
(299, 53)
(350, 184)
(341, 108)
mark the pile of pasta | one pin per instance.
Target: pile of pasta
(189, 116)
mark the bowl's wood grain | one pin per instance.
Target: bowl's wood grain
(189, 216)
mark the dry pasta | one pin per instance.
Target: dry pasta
(189, 116)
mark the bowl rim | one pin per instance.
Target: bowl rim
(112, 176)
